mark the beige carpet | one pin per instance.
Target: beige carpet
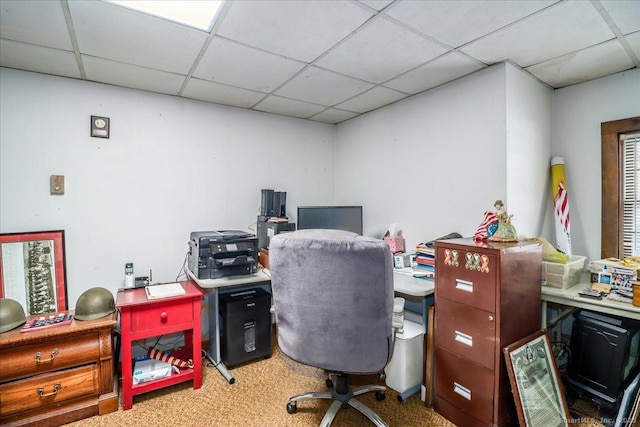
(258, 399)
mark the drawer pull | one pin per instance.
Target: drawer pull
(38, 355)
(462, 391)
(163, 316)
(464, 338)
(56, 387)
(464, 285)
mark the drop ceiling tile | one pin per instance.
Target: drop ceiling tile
(288, 107)
(300, 30)
(35, 22)
(563, 28)
(112, 32)
(131, 76)
(322, 87)
(588, 64)
(221, 94)
(372, 99)
(333, 116)
(458, 22)
(634, 42)
(377, 4)
(38, 59)
(231, 63)
(380, 51)
(439, 71)
(625, 14)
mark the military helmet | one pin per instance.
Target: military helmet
(94, 303)
(11, 314)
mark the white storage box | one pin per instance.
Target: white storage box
(563, 276)
(404, 371)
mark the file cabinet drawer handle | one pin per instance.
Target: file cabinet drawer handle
(464, 285)
(462, 391)
(464, 338)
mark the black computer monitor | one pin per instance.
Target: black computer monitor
(348, 218)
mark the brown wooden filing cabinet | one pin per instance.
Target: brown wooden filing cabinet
(487, 296)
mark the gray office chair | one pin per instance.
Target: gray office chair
(334, 306)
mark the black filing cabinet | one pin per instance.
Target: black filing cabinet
(245, 326)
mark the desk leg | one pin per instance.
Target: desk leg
(543, 315)
(127, 369)
(213, 355)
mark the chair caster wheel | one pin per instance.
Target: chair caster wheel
(400, 399)
(383, 376)
(380, 396)
(292, 408)
(329, 383)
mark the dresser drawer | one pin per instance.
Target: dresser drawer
(161, 315)
(465, 385)
(45, 356)
(49, 389)
(467, 331)
(468, 277)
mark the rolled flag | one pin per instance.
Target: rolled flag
(560, 206)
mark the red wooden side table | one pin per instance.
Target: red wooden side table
(142, 318)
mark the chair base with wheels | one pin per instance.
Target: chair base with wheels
(342, 396)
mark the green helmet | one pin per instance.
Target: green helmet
(94, 303)
(11, 314)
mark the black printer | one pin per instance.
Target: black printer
(216, 254)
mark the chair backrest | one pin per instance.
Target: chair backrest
(333, 298)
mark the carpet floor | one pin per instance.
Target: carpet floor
(258, 398)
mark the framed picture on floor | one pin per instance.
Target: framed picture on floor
(32, 270)
(535, 382)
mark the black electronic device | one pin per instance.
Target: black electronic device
(216, 254)
(272, 204)
(604, 355)
(348, 218)
(266, 230)
(245, 329)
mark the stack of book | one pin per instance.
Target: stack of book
(425, 266)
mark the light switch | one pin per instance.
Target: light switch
(57, 184)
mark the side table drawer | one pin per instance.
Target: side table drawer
(161, 315)
(465, 384)
(466, 330)
(45, 356)
(48, 389)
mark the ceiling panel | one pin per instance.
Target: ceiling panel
(458, 22)
(321, 60)
(322, 87)
(119, 74)
(221, 94)
(300, 30)
(439, 71)
(235, 64)
(380, 51)
(558, 30)
(132, 37)
(36, 22)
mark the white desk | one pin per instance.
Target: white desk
(569, 297)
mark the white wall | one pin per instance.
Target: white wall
(434, 163)
(577, 113)
(171, 166)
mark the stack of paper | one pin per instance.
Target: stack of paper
(164, 290)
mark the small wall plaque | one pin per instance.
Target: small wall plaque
(100, 127)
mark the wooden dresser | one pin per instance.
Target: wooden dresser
(487, 296)
(58, 375)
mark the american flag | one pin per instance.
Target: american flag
(561, 203)
(481, 233)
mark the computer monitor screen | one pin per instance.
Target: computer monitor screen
(347, 218)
